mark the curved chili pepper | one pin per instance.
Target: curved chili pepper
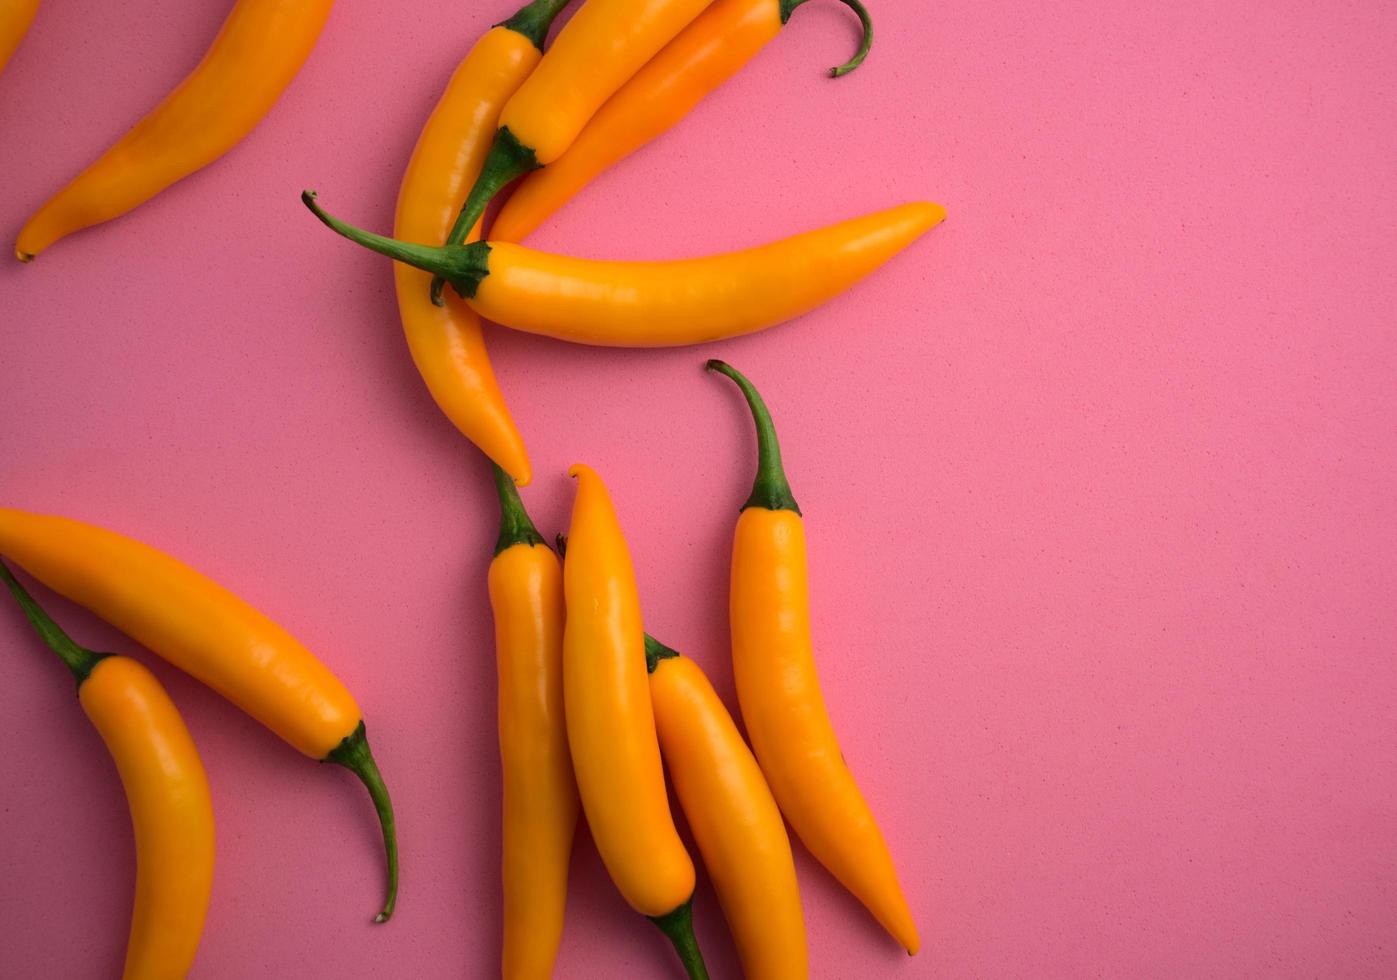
(733, 817)
(15, 18)
(446, 341)
(611, 727)
(540, 793)
(208, 632)
(705, 55)
(166, 789)
(659, 304)
(605, 43)
(257, 52)
(779, 692)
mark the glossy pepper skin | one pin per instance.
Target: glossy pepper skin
(540, 793)
(446, 342)
(166, 789)
(605, 43)
(15, 18)
(257, 52)
(208, 632)
(732, 815)
(779, 692)
(611, 727)
(659, 304)
(705, 55)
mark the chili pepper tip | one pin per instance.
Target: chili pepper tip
(24, 256)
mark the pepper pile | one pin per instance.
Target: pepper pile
(573, 658)
(619, 74)
(592, 709)
(570, 647)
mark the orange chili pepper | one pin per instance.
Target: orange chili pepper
(15, 18)
(705, 55)
(605, 43)
(207, 631)
(166, 789)
(446, 342)
(733, 817)
(659, 304)
(611, 726)
(257, 52)
(540, 793)
(777, 687)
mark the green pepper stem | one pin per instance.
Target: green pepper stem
(353, 753)
(79, 659)
(515, 526)
(679, 927)
(771, 490)
(533, 20)
(464, 266)
(655, 651)
(508, 158)
(865, 21)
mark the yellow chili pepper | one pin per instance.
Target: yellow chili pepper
(605, 43)
(166, 789)
(659, 304)
(540, 794)
(732, 815)
(611, 727)
(779, 692)
(207, 631)
(15, 18)
(705, 55)
(446, 342)
(257, 52)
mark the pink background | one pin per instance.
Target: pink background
(1099, 479)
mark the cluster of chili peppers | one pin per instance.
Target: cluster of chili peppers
(580, 719)
(579, 722)
(592, 709)
(619, 74)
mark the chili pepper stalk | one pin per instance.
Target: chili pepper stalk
(78, 659)
(354, 754)
(507, 160)
(788, 7)
(464, 266)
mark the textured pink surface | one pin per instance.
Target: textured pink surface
(1099, 479)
